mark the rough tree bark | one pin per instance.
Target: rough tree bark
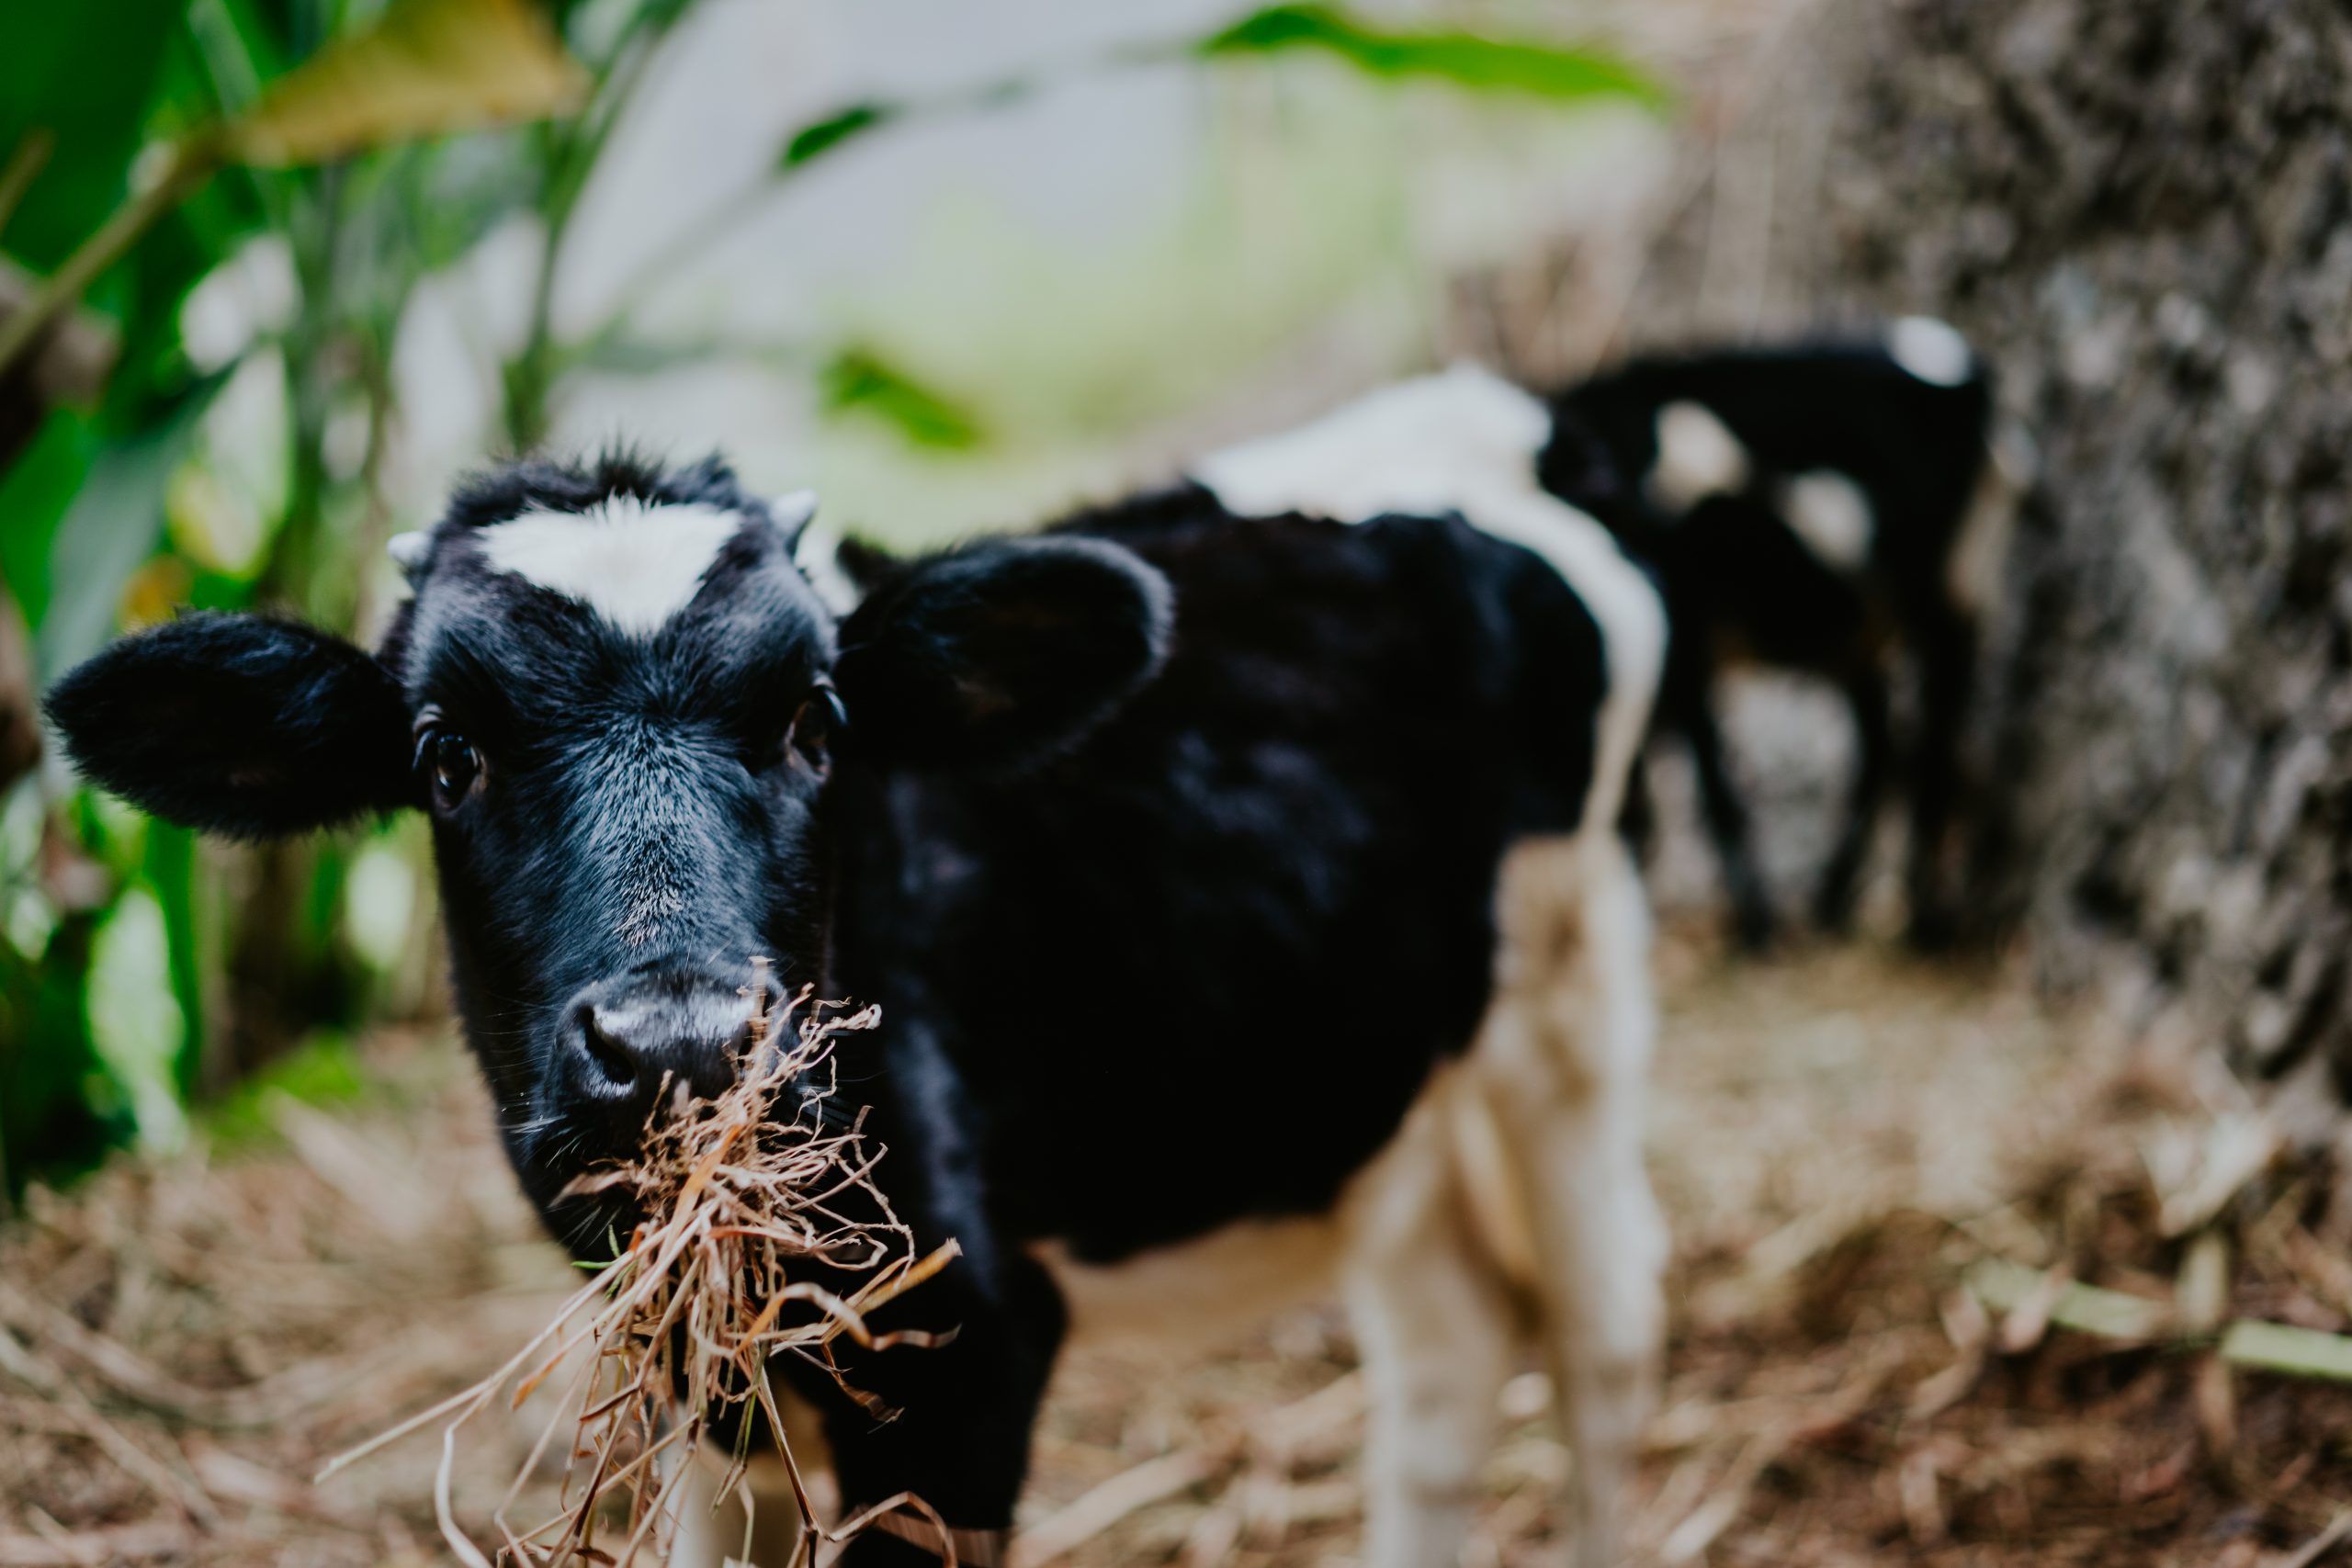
(2143, 212)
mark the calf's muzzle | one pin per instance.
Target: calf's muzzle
(625, 1046)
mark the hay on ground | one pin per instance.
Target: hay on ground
(1892, 1191)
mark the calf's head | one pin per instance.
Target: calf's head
(636, 727)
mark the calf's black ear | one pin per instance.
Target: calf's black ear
(238, 724)
(998, 655)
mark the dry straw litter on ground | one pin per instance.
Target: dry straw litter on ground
(1952, 1284)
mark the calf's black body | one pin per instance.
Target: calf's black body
(1168, 841)
(1226, 936)
(1196, 969)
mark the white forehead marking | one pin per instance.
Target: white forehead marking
(1931, 351)
(633, 562)
(1831, 515)
(1697, 457)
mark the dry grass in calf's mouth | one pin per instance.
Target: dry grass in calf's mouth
(739, 1205)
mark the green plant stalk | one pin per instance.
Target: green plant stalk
(193, 162)
(266, 962)
(24, 164)
(572, 156)
(315, 235)
(374, 379)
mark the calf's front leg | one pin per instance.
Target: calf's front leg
(757, 1521)
(959, 1439)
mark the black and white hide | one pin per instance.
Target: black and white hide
(1235, 867)
(1823, 506)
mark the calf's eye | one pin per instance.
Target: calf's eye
(814, 726)
(450, 764)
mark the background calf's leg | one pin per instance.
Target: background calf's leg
(1727, 826)
(1947, 651)
(1865, 688)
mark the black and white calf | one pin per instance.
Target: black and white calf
(1812, 506)
(1236, 868)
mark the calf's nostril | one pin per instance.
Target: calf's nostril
(606, 1047)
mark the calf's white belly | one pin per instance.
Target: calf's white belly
(1574, 938)
(1194, 1294)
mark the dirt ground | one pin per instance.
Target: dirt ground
(1839, 1134)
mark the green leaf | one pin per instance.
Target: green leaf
(50, 1121)
(422, 68)
(858, 380)
(444, 199)
(170, 873)
(135, 1019)
(118, 55)
(1465, 58)
(323, 1070)
(233, 48)
(814, 140)
(86, 73)
(35, 491)
(113, 523)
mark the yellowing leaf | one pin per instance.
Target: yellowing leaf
(424, 68)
